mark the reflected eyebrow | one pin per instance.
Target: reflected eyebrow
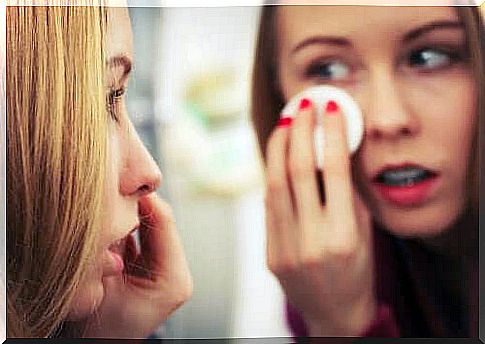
(443, 24)
(121, 61)
(329, 40)
(343, 42)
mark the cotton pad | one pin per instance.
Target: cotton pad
(319, 96)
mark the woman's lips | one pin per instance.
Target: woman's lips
(113, 263)
(113, 259)
(405, 185)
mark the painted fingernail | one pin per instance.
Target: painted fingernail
(331, 108)
(284, 122)
(305, 103)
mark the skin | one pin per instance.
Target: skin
(413, 112)
(157, 280)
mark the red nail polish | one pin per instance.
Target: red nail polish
(284, 122)
(304, 103)
(331, 107)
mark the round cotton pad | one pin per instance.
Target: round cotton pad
(320, 95)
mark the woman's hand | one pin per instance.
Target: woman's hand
(156, 282)
(321, 254)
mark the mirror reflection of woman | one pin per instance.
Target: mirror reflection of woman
(80, 181)
(393, 251)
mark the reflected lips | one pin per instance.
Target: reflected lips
(405, 185)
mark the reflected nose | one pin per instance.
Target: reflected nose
(141, 174)
(387, 115)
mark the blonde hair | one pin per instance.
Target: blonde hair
(56, 156)
(267, 100)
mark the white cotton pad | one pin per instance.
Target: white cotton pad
(319, 96)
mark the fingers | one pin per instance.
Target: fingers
(134, 263)
(337, 172)
(301, 162)
(314, 249)
(280, 212)
(161, 248)
(292, 200)
(168, 264)
(293, 189)
(278, 189)
(302, 169)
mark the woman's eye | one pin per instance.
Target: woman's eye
(331, 71)
(114, 97)
(431, 59)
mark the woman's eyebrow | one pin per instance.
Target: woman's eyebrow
(329, 40)
(436, 25)
(121, 61)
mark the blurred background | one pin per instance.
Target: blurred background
(189, 100)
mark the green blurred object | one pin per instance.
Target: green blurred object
(216, 97)
(214, 144)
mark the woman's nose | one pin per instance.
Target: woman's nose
(140, 175)
(386, 113)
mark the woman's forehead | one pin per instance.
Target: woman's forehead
(298, 22)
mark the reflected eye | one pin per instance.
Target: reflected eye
(430, 59)
(332, 70)
(112, 100)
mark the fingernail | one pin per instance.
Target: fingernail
(304, 103)
(118, 261)
(331, 108)
(284, 122)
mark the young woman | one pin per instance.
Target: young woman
(79, 182)
(392, 250)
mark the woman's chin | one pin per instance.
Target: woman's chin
(86, 300)
(419, 223)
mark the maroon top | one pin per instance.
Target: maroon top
(414, 298)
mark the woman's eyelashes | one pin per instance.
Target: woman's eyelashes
(114, 96)
(430, 59)
(426, 59)
(329, 70)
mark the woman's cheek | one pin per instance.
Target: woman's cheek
(88, 297)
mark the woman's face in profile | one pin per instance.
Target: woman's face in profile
(408, 70)
(131, 171)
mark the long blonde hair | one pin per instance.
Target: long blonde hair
(267, 100)
(56, 155)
